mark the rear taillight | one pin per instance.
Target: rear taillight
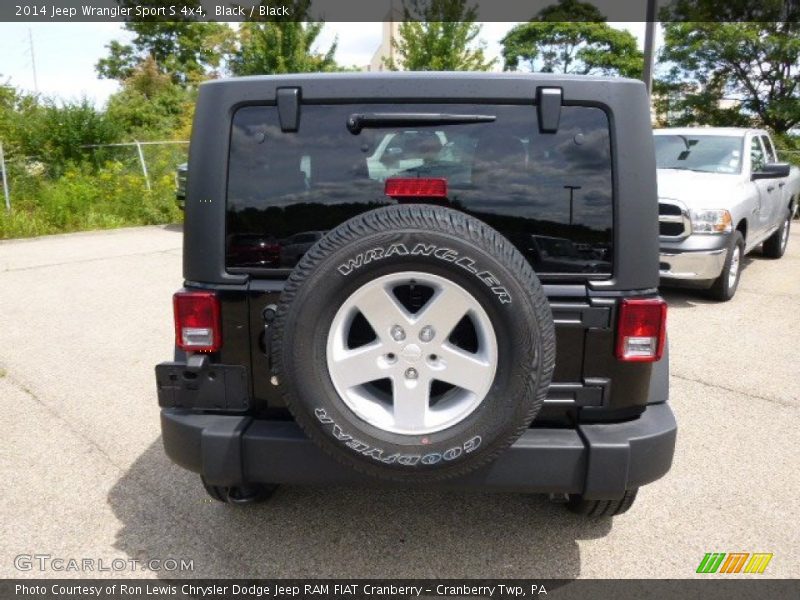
(416, 187)
(197, 322)
(642, 329)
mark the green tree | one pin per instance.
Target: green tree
(754, 64)
(186, 50)
(728, 11)
(281, 45)
(571, 37)
(52, 133)
(677, 102)
(8, 98)
(150, 105)
(439, 35)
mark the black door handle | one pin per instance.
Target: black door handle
(770, 188)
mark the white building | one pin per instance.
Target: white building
(391, 30)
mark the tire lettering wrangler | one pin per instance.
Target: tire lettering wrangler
(442, 253)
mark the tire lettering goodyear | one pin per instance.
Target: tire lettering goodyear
(381, 455)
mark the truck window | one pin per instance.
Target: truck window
(769, 149)
(757, 157)
(705, 153)
(530, 186)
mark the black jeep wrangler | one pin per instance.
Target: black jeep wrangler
(426, 279)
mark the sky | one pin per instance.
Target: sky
(65, 53)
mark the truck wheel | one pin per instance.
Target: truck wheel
(245, 494)
(775, 245)
(413, 343)
(601, 508)
(724, 287)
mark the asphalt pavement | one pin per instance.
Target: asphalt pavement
(84, 317)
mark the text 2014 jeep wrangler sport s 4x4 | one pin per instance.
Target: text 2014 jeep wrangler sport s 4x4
(426, 279)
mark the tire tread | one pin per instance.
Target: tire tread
(447, 221)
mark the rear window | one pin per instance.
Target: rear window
(550, 194)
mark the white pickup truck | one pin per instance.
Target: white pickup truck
(722, 193)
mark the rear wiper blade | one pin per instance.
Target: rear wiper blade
(358, 121)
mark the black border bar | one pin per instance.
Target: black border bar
(381, 10)
(711, 587)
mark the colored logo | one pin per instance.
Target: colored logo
(734, 562)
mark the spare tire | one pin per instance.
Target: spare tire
(413, 343)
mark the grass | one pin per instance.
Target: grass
(85, 198)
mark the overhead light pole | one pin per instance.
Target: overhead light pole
(571, 189)
(649, 45)
(4, 173)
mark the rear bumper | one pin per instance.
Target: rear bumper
(598, 460)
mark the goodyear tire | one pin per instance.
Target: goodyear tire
(413, 343)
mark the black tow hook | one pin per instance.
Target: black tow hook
(269, 313)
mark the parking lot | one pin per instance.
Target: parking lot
(84, 317)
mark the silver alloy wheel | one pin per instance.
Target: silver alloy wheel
(412, 350)
(785, 233)
(733, 271)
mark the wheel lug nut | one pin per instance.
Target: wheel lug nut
(411, 373)
(427, 333)
(397, 333)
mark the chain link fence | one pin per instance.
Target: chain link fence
(110, 185)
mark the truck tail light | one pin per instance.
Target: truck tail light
(197, 321)
(416, 187)
(641, 329)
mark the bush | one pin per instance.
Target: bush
(82, 198)
(60, 180)
(788, 147)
